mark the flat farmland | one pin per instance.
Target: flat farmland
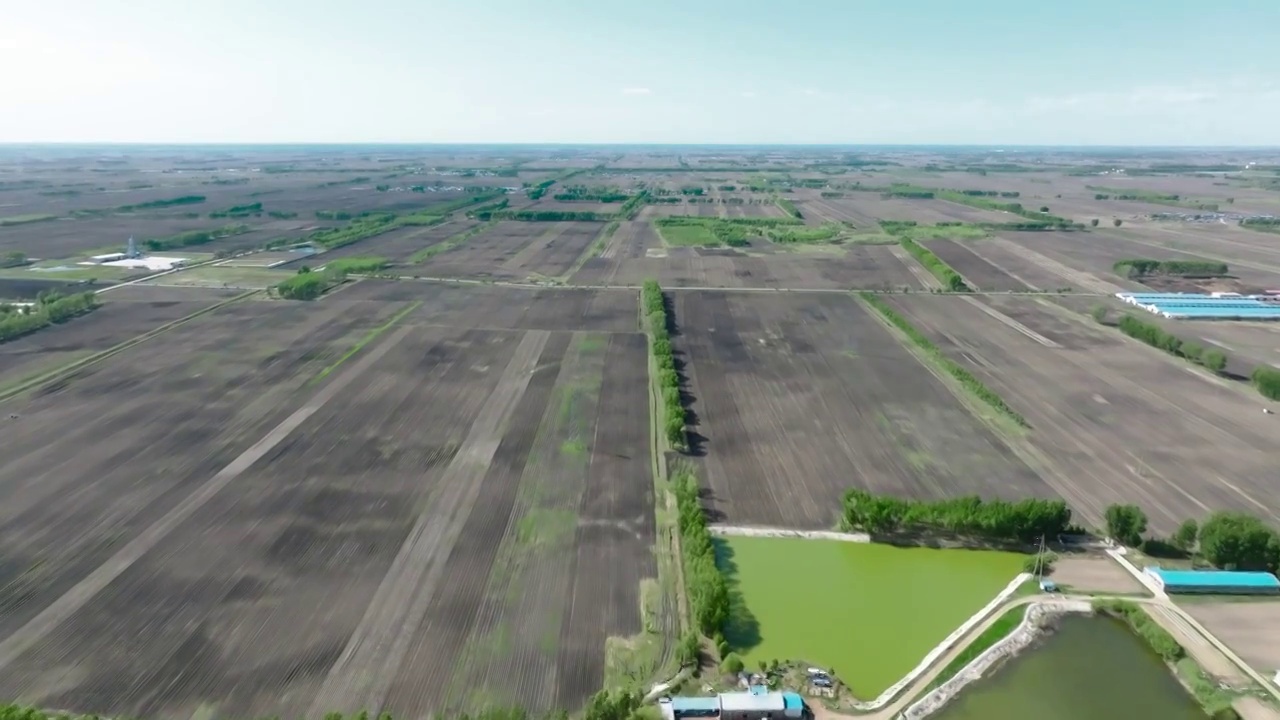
(630, 241)
(699, 209)
(516, 251)
(398, 245)
(455, 516)
(1115, 421)
(875, 267)
(501, 308)
(796, 398)
(1041, 272)
(980, 272)
(1253, 256)
(126, 313)
(1092, 253)
(573, 206)
(872, 205)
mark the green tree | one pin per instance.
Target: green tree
(13, 259)
(1236, 541)
(1215, 360)
(1185, 537)
(1117, 222)
(1094, 222)
(732, 664)
(1044, 208)
(1126, 523)
(1099, 313)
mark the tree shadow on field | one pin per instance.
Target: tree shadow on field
(710, 507)
(742, 630)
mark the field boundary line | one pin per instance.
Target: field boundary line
(79, 595)
(769, 532)
(925, 277)
(658, 467)
(1013, 324)
(368, 338)
(78, 365)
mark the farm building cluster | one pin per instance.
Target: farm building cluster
(1212, 306)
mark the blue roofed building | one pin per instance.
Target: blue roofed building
(758, 703)
(1215, 582)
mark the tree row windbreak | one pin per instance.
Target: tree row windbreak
(655, 315)
(950, 278)
(966, 379)
(1157, 337)
(705, 585)
(1024, 521)
(50, 308)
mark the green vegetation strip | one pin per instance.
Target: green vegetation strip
(1157, 337)
(966, 379)
(431, 251)
(1211, 696)
(73, 367)
(789, 207)
(656, 324)
(1136, 268)
(707, 590)
(1267, 380)
(999, 630)
(951, 279)
(363, 265)
(1024, 521)
(50, 308)
(368, 338)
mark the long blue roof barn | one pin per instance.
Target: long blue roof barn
(1215, 581)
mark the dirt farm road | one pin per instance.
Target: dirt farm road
(1192, 639)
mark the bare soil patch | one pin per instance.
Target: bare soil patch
(1094, 574)
(796, 398)
(1115, 421)
(1248, 627)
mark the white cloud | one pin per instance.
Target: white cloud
(637, 91)
(748, 94)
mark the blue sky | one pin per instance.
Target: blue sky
(1085, 72)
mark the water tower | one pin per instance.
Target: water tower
(132, 251)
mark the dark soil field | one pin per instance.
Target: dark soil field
(837, 268)
(126, 313)
(516, 251)
(398, 245)
(980, 273)
(787, 416)
(457, 513)
(1115, 420)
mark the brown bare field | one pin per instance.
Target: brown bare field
(397, 245)
(597, 311)
(516, 251)
(546, 203)
(978, 271)
(1113, 420)
(837, 268)
(1248, 627)
(457, 515)
(126, 313)
(796, 398)
(1095, 574)
(872, 205)
(1254, 257)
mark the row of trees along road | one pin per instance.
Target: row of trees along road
(1024, 521)
(1227, 540)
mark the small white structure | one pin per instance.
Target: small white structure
(109, 257)
(151, 262)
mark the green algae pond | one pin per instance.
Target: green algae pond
(868, 612)
(1090, 667)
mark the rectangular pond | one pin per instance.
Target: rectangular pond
(1090, 667)
(869, 612)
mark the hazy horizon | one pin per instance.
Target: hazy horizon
(571, 72)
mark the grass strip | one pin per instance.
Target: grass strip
(452, 242)
(966, 379)
(951, 279)
(71, 368)
(368, 338)
(999, 630)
